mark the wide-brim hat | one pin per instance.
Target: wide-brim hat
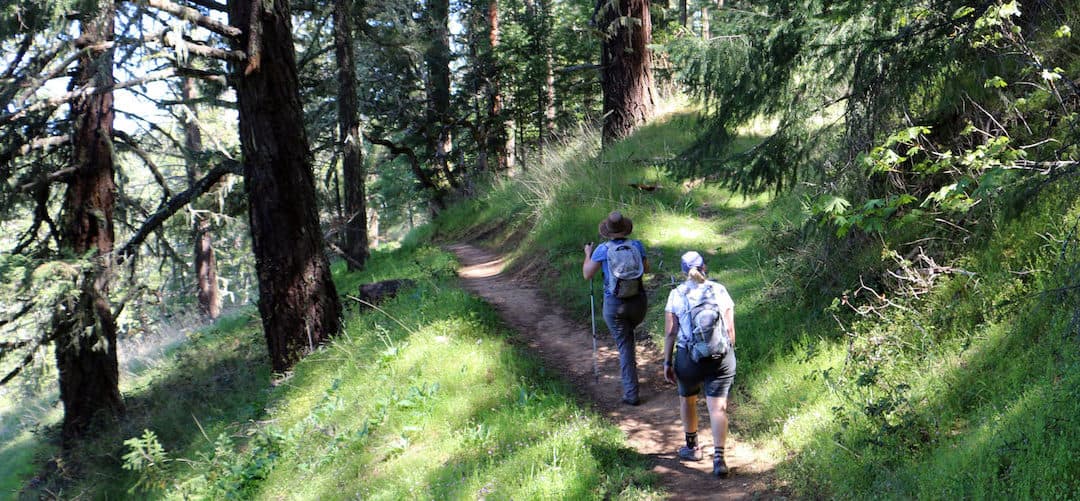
(616, 225)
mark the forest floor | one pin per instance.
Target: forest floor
(653, 428)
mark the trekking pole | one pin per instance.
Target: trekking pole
(592, 315)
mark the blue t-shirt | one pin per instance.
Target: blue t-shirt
(600, 255)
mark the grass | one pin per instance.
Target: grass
(968, 392)
(426, 397)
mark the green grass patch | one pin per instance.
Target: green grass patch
(968, 391)
(424, 397)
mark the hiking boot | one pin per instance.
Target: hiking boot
(690, 454)
(719, 467)
(631, 401)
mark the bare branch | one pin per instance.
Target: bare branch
(44, 143)
(206, 51)
(175, 204)
(212, 76)
(83, 92)
(211, 4)
(23, 47)
(195, 17)
(154, 170)
(49, 178)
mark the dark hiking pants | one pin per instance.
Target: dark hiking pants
(621, 317)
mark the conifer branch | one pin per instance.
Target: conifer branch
(175, 204)
(195, 17)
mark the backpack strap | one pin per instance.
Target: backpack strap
(689, 313)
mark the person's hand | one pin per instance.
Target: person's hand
(669, 373)
(588, 250)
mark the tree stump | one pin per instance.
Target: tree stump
(377, 292)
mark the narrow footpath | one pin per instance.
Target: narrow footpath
(652, 428)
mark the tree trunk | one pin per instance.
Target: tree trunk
(437, 61)
(682, 13)
(705, 28)
(297, 299)
(499, 125)
(547, 100)
(85, 332)
(549, 92)
(205, 263)
(352, 165)
(627, 73)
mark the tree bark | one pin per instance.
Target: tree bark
(705, 27)
(627, 71)
(682, 13)
(498, 135)
(297, 299)
(86, 331)
(205, 263)
(437, 61)
(352, 164)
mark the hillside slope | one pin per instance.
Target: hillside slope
(966, 389)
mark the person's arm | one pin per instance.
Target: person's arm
(671, 329)
(588, 266)
(729, 321)
(645, 264)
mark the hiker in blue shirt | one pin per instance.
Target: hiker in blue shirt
(624, 264)
(713, 374)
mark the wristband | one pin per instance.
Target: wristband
(667, 363)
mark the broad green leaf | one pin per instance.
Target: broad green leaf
(995, 82)
(1063, 32)
(835, 205)
(1009, 9)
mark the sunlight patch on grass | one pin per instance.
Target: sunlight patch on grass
(674, 230)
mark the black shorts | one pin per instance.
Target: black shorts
(715, 375)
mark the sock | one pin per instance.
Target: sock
(691, 440)
(719, 452)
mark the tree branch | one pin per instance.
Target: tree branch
(154, 170)
(195, 17)
(49, 178)
(83, 92)
(211, 4)
(204, 50)
(414, 163)
(211, 76)
(44, 143)
(176, 203)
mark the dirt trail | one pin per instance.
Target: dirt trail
(653, 428)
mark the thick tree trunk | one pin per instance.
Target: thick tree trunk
(205, 263)
(352, 165)
(437, 61)
(297, 299)
(86, 331)
(627, 71)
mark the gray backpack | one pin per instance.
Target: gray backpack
(709, 335)
(626, 267)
